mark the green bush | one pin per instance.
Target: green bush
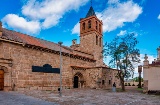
(129, 84)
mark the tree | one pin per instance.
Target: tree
(124, 54)
(136, 79)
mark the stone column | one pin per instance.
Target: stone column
(145, 73)
(145, 62)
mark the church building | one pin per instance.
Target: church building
(151, 73)
(31, 63)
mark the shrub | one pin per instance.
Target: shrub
(129, 84)
(133, 85)
(125, 84)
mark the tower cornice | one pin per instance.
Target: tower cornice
(91, 17)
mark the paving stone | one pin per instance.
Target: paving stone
(14, 98)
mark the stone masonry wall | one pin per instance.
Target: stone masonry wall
(23, 60)
(93, 76)
(110, 76)
(88, 44)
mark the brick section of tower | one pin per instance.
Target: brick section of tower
(91, 37)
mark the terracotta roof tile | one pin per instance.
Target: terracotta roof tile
(155, 63)
(26, 39)
(33, 41)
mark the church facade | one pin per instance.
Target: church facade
(82, 64)
(151, 73)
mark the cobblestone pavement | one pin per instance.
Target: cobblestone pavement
(96, 97)
(14, 98)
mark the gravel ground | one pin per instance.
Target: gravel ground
(96, 97)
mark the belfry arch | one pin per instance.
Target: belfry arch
(78, 80)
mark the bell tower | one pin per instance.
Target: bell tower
(91, 38)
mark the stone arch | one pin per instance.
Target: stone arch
(4, 69)
(89, 24)
(4, 78)
(78, 80)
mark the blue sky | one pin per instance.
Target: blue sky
(58, 20)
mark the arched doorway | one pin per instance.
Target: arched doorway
(1, 79)
(76, 82)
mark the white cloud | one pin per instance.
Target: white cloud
(122, 33)
(76, 29)
(43, 14)
(19, 23)
(159, 16)
(116, 14)
(50, 11)
(113, 1)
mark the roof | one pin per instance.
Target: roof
(27, 40)
(155, 63)
(90, 12)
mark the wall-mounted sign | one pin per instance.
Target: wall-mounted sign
(46, 69)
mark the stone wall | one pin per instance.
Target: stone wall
(109, 77)
(88, 44)
(93, 76)
(145, 88)
(83, 54)
(24, 58)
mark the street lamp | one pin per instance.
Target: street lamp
(139, 71)
(60, 91)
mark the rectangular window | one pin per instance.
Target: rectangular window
(96, 40)
(109, 82)
(100, 42)
(103, 82)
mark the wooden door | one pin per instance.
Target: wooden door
(1, 79)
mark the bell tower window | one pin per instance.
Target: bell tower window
(100, 42)
(96, 25)
(83, 27)
(89, 24)
(99, 28)
(96, 40)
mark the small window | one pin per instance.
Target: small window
(96, 40)
(89, 24)
(103, 82)
(100, 42)
(109, 82)
(99, 28)
(83, 27)
(96, 25)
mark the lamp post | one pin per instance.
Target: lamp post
(60, 91)
(139, 71)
